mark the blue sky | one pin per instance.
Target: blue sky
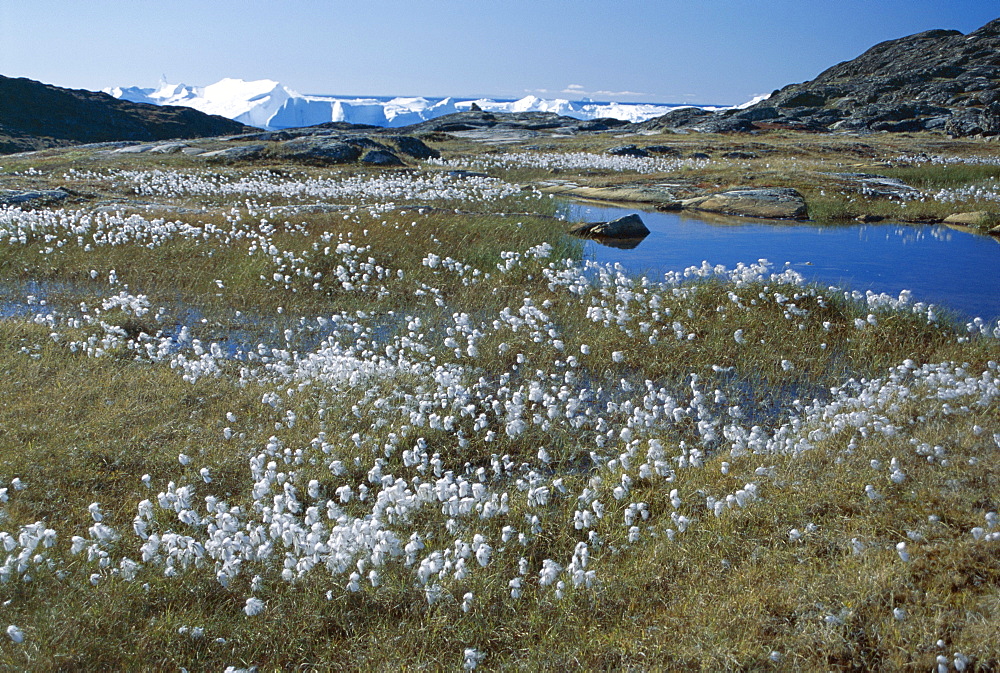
(695, 51)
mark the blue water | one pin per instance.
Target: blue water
(943, 266)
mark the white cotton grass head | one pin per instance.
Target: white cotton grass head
(471, 658)
(95, 511)
(15, 634)
(254, 606)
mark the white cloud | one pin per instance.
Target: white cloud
(577, 91)
(621, 93)
(580, 90)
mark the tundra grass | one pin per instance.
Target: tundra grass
(499, 458)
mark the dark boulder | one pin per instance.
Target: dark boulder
(663, 149)
(679, 118)
(756, 114)
(601, 124)
(907, 125)
(31, 197)
(629, 226)
(804, 99)
(365, 143)
(381, 158)
(233, 154)
(413, 147)
(320, 151)
(628, 151)
(724, 125)
(973, 123)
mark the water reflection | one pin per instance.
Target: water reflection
(618, 243)
(940, 265)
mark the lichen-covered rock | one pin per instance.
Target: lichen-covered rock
(660, 196)
(765, 202)
(241, 153)
(972, 219)
(168, 148)
(133, 149)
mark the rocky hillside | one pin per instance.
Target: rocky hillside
(936, 80)
(36, 116)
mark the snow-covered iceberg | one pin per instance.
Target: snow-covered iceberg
(268, 104)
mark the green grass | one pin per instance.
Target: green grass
(936, 176)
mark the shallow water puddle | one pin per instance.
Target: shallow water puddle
(943, 266)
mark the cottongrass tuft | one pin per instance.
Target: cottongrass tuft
(15, 634)
(254, 606)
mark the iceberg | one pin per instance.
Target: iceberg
(268, 104)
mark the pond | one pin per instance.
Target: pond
(939, 265)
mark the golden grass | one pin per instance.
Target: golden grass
(733, 592)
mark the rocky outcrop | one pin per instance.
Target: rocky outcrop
(319, 151)
(315, 148)
(36, 116)
(628, 151)
(664, 150)
(381, 158)
(322, 150)
(31, 197)
(484, 125)
(764, 202)
(675, 119)
(973, 219)
(874, 186)
(412, 147)
(232, 154)
(938, 80)
(665, 196)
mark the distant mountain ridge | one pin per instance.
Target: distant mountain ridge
(35, 116)
(935, 80)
